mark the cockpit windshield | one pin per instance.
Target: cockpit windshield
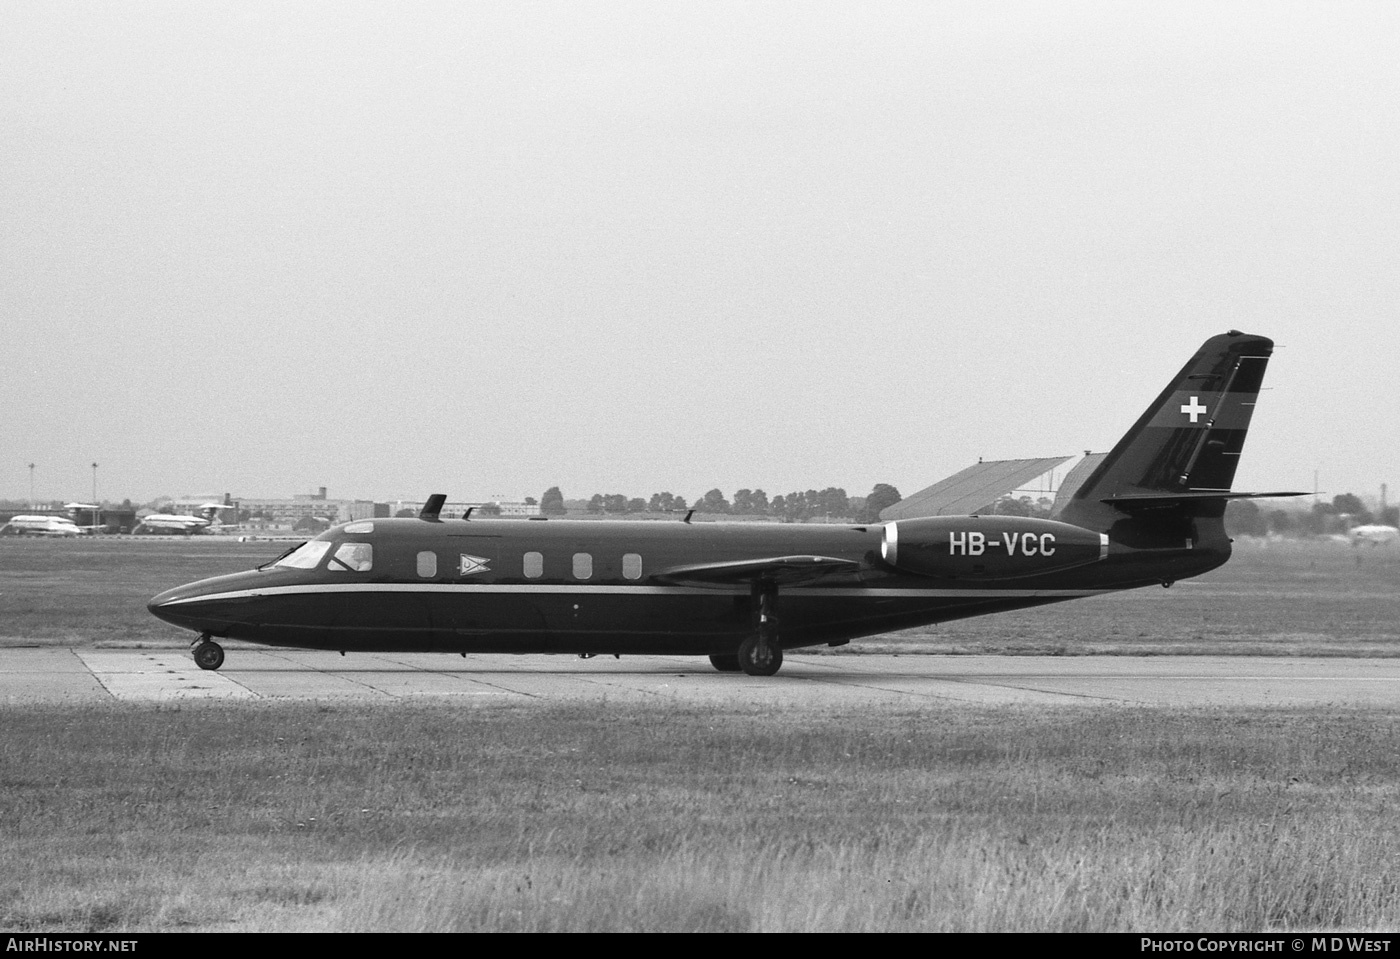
(305, 556)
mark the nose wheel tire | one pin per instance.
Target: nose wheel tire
(209, 655)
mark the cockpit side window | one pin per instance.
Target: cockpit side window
(305, 556)
(354, 557)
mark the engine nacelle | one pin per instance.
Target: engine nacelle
(989, 547)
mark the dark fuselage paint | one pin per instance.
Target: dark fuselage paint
(498, 609)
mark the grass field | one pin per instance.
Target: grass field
(433, 817)
(1287, 598)
(423, 815)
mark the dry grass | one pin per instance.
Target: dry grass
(428, 817)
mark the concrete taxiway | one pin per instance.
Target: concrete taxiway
(251, 675)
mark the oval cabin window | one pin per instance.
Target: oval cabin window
(583, 565)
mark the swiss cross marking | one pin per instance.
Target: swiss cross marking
(1194, 408)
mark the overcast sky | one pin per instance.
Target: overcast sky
(481, 249)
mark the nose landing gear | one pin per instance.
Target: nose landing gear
(207, 653)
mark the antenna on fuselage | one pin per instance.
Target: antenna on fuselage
(433, 507)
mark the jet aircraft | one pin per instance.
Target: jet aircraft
(1148, 512)
(186, 524)
(42, 525)
(49, 524)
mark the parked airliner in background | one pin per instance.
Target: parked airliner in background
(51, 524)
(42, 525)
(186, 524)
(1149, 512)
(1374, 534)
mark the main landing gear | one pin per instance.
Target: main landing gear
(759, 654)
(207, 653)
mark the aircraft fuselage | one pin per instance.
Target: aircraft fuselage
(518, 586)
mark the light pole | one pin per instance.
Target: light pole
(94, 487)
(31, 485)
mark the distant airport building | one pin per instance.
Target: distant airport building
(479, 508)
(289, 512)
(107, 519)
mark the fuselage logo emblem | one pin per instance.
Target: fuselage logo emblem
(473, 564)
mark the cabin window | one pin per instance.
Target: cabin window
(632, 565)
(534, 565)
(427, 563)
(354, 557)
(583, 565)
(305, 556)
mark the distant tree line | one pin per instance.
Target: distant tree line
(1021, 506)
(831, 504)
(1242, 517)
(1247, 518)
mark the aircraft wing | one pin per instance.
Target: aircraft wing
(780, 570)
(975, 487)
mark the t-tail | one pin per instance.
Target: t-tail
(1166, 483)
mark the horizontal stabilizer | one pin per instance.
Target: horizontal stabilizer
(1150, 500)
(779, 570)
(975, 487)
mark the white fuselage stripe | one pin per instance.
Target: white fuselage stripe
(563, 589)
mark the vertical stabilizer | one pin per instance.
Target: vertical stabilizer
(1187, 444)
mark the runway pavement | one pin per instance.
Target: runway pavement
(250, 675)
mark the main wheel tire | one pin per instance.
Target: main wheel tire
(726, 664)
(754, 665)
(209, 655)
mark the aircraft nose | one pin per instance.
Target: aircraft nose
(168, 605)
(196, 606)
(208, 605)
